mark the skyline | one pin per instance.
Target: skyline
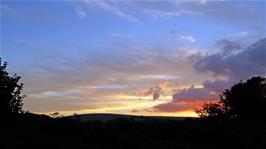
(131, 57)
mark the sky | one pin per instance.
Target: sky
(131, 57)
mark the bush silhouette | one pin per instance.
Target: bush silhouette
(213, 110)
(10, 93)
(245, 100)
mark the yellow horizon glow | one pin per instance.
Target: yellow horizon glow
(140, 103)
(185, 113)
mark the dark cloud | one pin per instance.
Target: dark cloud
(251, 61)
(154, 91)
(229, 46)
(238, 11)
(248, 62)
(193, 93)
(191, 98)
(179, 105)
(217, 86)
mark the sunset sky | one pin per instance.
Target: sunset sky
(131, 57)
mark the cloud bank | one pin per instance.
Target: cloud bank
(249, 61)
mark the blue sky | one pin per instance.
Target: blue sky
(115, 56)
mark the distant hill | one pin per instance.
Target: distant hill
(106, 117)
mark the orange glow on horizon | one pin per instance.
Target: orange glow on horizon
(185, 113)
(191, 105)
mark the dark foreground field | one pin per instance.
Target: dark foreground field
(32, 131)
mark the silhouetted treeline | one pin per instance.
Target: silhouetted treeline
(40, 131)
(10, 94)
(244, 101)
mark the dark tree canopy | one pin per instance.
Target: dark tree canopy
(245, 100)
(10, 93)
(211, 110)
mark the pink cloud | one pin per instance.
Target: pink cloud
(181, 105)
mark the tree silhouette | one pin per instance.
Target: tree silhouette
(213, 110)
(245, 100)
(10, 93)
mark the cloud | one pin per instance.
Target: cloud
(79, 8)
(6, 8)
(69, 94)
(111, 7)
(15, 13)
(242, 65)
(190, 98)
(239, 12)
(157, 90)
(185, 37)
(117, 35)
(110, 87)
(216, 10)
(216, 87)
(250, 61)
(128, 70)
(228, 46)
(135, 11)
(194, 93)
(180, 105)
(101, 77)
(81, 12)
(154, 91)
(232, 66)
(156, 14)
(160, 77)
(242, 34)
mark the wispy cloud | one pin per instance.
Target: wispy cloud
(110, 87)
(111, 7)
(11, 12)
(117, 35)
(134, 11)
(6, 8)
(186, 37)
(81, 13)
(68, 94)
(157, 14)
(242, 34)
(161, 77)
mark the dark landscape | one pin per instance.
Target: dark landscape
(106, 117)
(40, 131)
